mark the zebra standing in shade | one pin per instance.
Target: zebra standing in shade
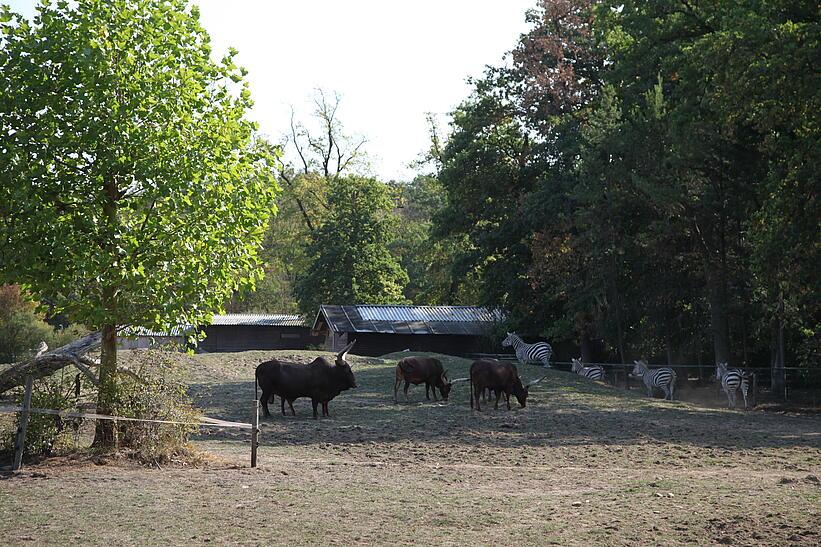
(594, 372)
(540, 351)
(663, 378)
(731, 379)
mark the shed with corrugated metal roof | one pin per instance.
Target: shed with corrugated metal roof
(241, 332)
(381, 329)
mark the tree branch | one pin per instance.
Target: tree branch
(49, 363)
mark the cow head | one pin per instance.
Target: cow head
(507, 342)
(520, 391)
(445, 385)
(343, 366)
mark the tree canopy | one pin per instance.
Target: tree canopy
(132, 188)
(350, 258)
(641, 179)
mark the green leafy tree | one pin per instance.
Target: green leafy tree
(350, 258)
(132, 191)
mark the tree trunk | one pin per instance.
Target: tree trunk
(50, 362)
(586, 345)
(719, 325)
(104, 434)
(668, 346)
(777, 361)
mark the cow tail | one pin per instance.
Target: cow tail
(471, 391)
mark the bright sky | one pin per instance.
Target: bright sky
(390, 61)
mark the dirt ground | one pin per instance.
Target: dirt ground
(582, 464)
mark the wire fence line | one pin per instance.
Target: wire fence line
(204, 420)
(793, 378)
(512, 357)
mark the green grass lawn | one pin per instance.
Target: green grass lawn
(582, 464)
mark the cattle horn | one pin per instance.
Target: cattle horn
(534, 382)
(341, 355)
(459, 380)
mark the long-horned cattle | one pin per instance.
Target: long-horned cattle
(500, 377)
(321, 380)
(422, 370)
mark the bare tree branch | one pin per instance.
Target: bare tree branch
(48, 363)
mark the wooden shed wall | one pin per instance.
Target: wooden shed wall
(224, 338)
(375, 344)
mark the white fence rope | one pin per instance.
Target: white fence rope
(204, 420)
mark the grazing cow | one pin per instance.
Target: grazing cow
(499, 376)
(321, 380)
(417, 370)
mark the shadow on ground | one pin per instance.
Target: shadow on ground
(563, 410)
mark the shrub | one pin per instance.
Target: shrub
(153, 390)
(22, 328)
(47, 434)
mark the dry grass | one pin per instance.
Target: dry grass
(582, 464)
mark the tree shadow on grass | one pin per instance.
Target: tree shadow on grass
(563, 410)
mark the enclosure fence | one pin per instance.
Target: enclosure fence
(202, 421)
(792, 378)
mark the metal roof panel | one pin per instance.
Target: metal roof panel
(468, 320)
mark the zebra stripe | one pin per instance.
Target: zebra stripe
(540, 351)
(731, 379)
(594, 372)
(662, 378)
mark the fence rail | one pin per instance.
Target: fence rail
(25, 411)
(793, 377)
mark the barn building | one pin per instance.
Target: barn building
(381, 329)
(141, 338)
(241, 332)
(231, 332)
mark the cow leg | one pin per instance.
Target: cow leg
(427, 391)
(325, 409)
(507, 399)
(291, 404)
(498, 396)
(282, 405)
(265, 396)
(433, 389)
(396, 389)
(314, 402)
(407, 385)
(475, 393)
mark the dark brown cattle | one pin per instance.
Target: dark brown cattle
(418, 370)
(320, 380)
(498, 376)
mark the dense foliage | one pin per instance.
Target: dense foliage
(641, 180)
(350, 262)
(22, 327)
(132, 188)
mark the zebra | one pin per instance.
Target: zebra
(540, 351)
(731, 379)
(594, 372)
(663, 378)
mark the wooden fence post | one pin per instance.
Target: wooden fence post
(255, 433)
(20, 444)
